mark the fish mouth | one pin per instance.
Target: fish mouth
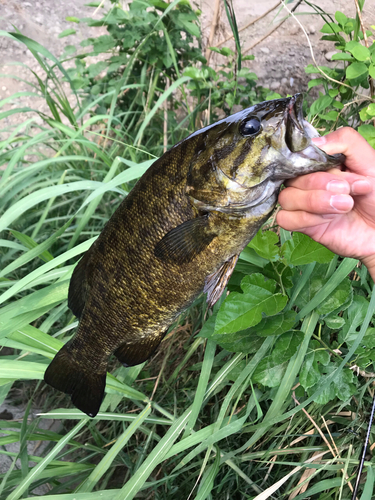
(299, 132)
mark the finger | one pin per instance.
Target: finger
(320, 181)
(300, 220)
(314, 201)
(335, 181)
(360, 156)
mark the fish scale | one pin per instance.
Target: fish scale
(178, 233)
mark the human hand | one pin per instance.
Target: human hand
(336, 208)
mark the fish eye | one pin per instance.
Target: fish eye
(250, 127)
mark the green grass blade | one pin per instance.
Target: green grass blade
(346, 266)
(208, 478)
(20, 207)
(34, 252)
(48, 266)
(158, 104)
(204, 377)
(133, 486)
(72, 414)
(107, 460)
(36, 471)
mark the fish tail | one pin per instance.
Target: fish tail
(85, 386)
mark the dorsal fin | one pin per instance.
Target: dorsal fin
(78, 287)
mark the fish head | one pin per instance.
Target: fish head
(256, 149)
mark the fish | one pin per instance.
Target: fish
(179, 234)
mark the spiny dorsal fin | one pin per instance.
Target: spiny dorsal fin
(216, 282)
(185, 242)
(137, 353)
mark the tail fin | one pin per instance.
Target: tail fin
(85, 387)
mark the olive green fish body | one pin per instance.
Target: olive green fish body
(178, 233)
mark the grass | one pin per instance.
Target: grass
(193, 421)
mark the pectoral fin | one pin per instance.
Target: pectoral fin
(215, 283)
(137, 353)
(185, 242)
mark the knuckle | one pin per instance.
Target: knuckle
(310, 200)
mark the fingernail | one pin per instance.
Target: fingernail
(341, 202)
(319, 141)
(338, 187)
(361, 187)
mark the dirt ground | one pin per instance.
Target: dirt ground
(279, 59)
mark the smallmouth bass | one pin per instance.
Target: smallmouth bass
(177, 234)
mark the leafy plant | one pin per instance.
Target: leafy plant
(344, 101)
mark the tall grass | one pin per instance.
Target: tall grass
(192, 422)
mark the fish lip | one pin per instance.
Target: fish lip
(295, 112)
(298, 131)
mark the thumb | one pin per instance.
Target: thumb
(360, 156)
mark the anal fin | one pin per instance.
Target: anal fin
(138, 352)
(185, 241)
(216, 282)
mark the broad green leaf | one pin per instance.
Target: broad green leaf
(342, 56)
(224, 51)
(359, 51)
(370, 110)
(334, 322)
(241, 311)
(279, 272)
(330, 117)
(272, 368)
(275, 325)
(355, 316)
(330, 28)
(356, 70)
(320, 104)
(264, 243)
(246, 341)
(67, 32)
(336, 298)
(368, 132)
(315, 283)
(341, 18)
(341, 386)
(310, 373)
(97, 68)
(191, 28)
(301, 249)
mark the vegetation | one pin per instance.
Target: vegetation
(259, 397)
